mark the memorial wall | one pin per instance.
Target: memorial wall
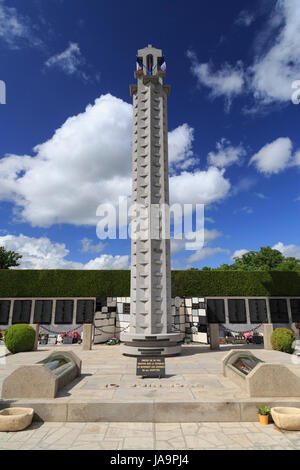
(190, 316)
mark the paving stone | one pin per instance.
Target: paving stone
(142, 443)
(100, 428)
(241, 440)
(168, 435)
(195, 442)
(163, 445)
(89, 437)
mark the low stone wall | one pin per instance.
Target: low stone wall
(187, 315)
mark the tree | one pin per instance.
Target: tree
(266, 259)
(289, 264)
(8, 259)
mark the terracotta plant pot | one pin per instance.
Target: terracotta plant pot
(264, 419)
(15, 419)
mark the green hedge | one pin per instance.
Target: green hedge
(228, 283)
(73, 283)
(282, 340)
(19, 338)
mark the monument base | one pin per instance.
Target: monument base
(168, 344)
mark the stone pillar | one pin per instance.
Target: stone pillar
(87, 336)
(36, 328)
(214, 335)
(267, 331)
(151, 319)
(296, 330)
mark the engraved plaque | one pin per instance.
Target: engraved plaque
(237, 311)
(215, 311)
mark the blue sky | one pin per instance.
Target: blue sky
(65, 141)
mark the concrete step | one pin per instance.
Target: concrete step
(154, 411)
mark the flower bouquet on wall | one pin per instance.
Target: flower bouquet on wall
(113, 341)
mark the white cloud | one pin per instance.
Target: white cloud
(41, 253)
(206, 252)
(15, 29)
(238, 254)
(191, 237)
(245, 18)
(108, 262)
(278, 65)
(87, 162)
(228, 81)
(243, 184)
(275, 64)
(297, 159)
(246, 209)
(199, 187)
(288, 251)
(226, 154)
(88, 247)
(273, 157)
(261, 196)
(69, 61)
(180, 147)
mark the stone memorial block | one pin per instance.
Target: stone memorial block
(279, 311)
(21, 311)
(215, 311)
(64, 312)
(126, 308)
(120, 307)
(4, 311)
(295, 309)
(87, 336)
(85, 311)
(237, 311)
(258, 378)
(52, 339)
(200, 337)
(258, 311)
(43, 379)
(43, 312)
(202, 320)
(100, 302)
(68, 340)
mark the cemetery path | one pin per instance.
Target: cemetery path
(150, 436)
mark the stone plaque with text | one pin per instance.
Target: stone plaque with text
(151, 367)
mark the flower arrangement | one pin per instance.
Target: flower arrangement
(113, 341)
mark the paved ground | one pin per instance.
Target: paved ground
(158, 436)
(108, 375)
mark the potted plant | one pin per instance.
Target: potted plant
(263, 413)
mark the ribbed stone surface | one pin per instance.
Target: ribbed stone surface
(150, 252)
